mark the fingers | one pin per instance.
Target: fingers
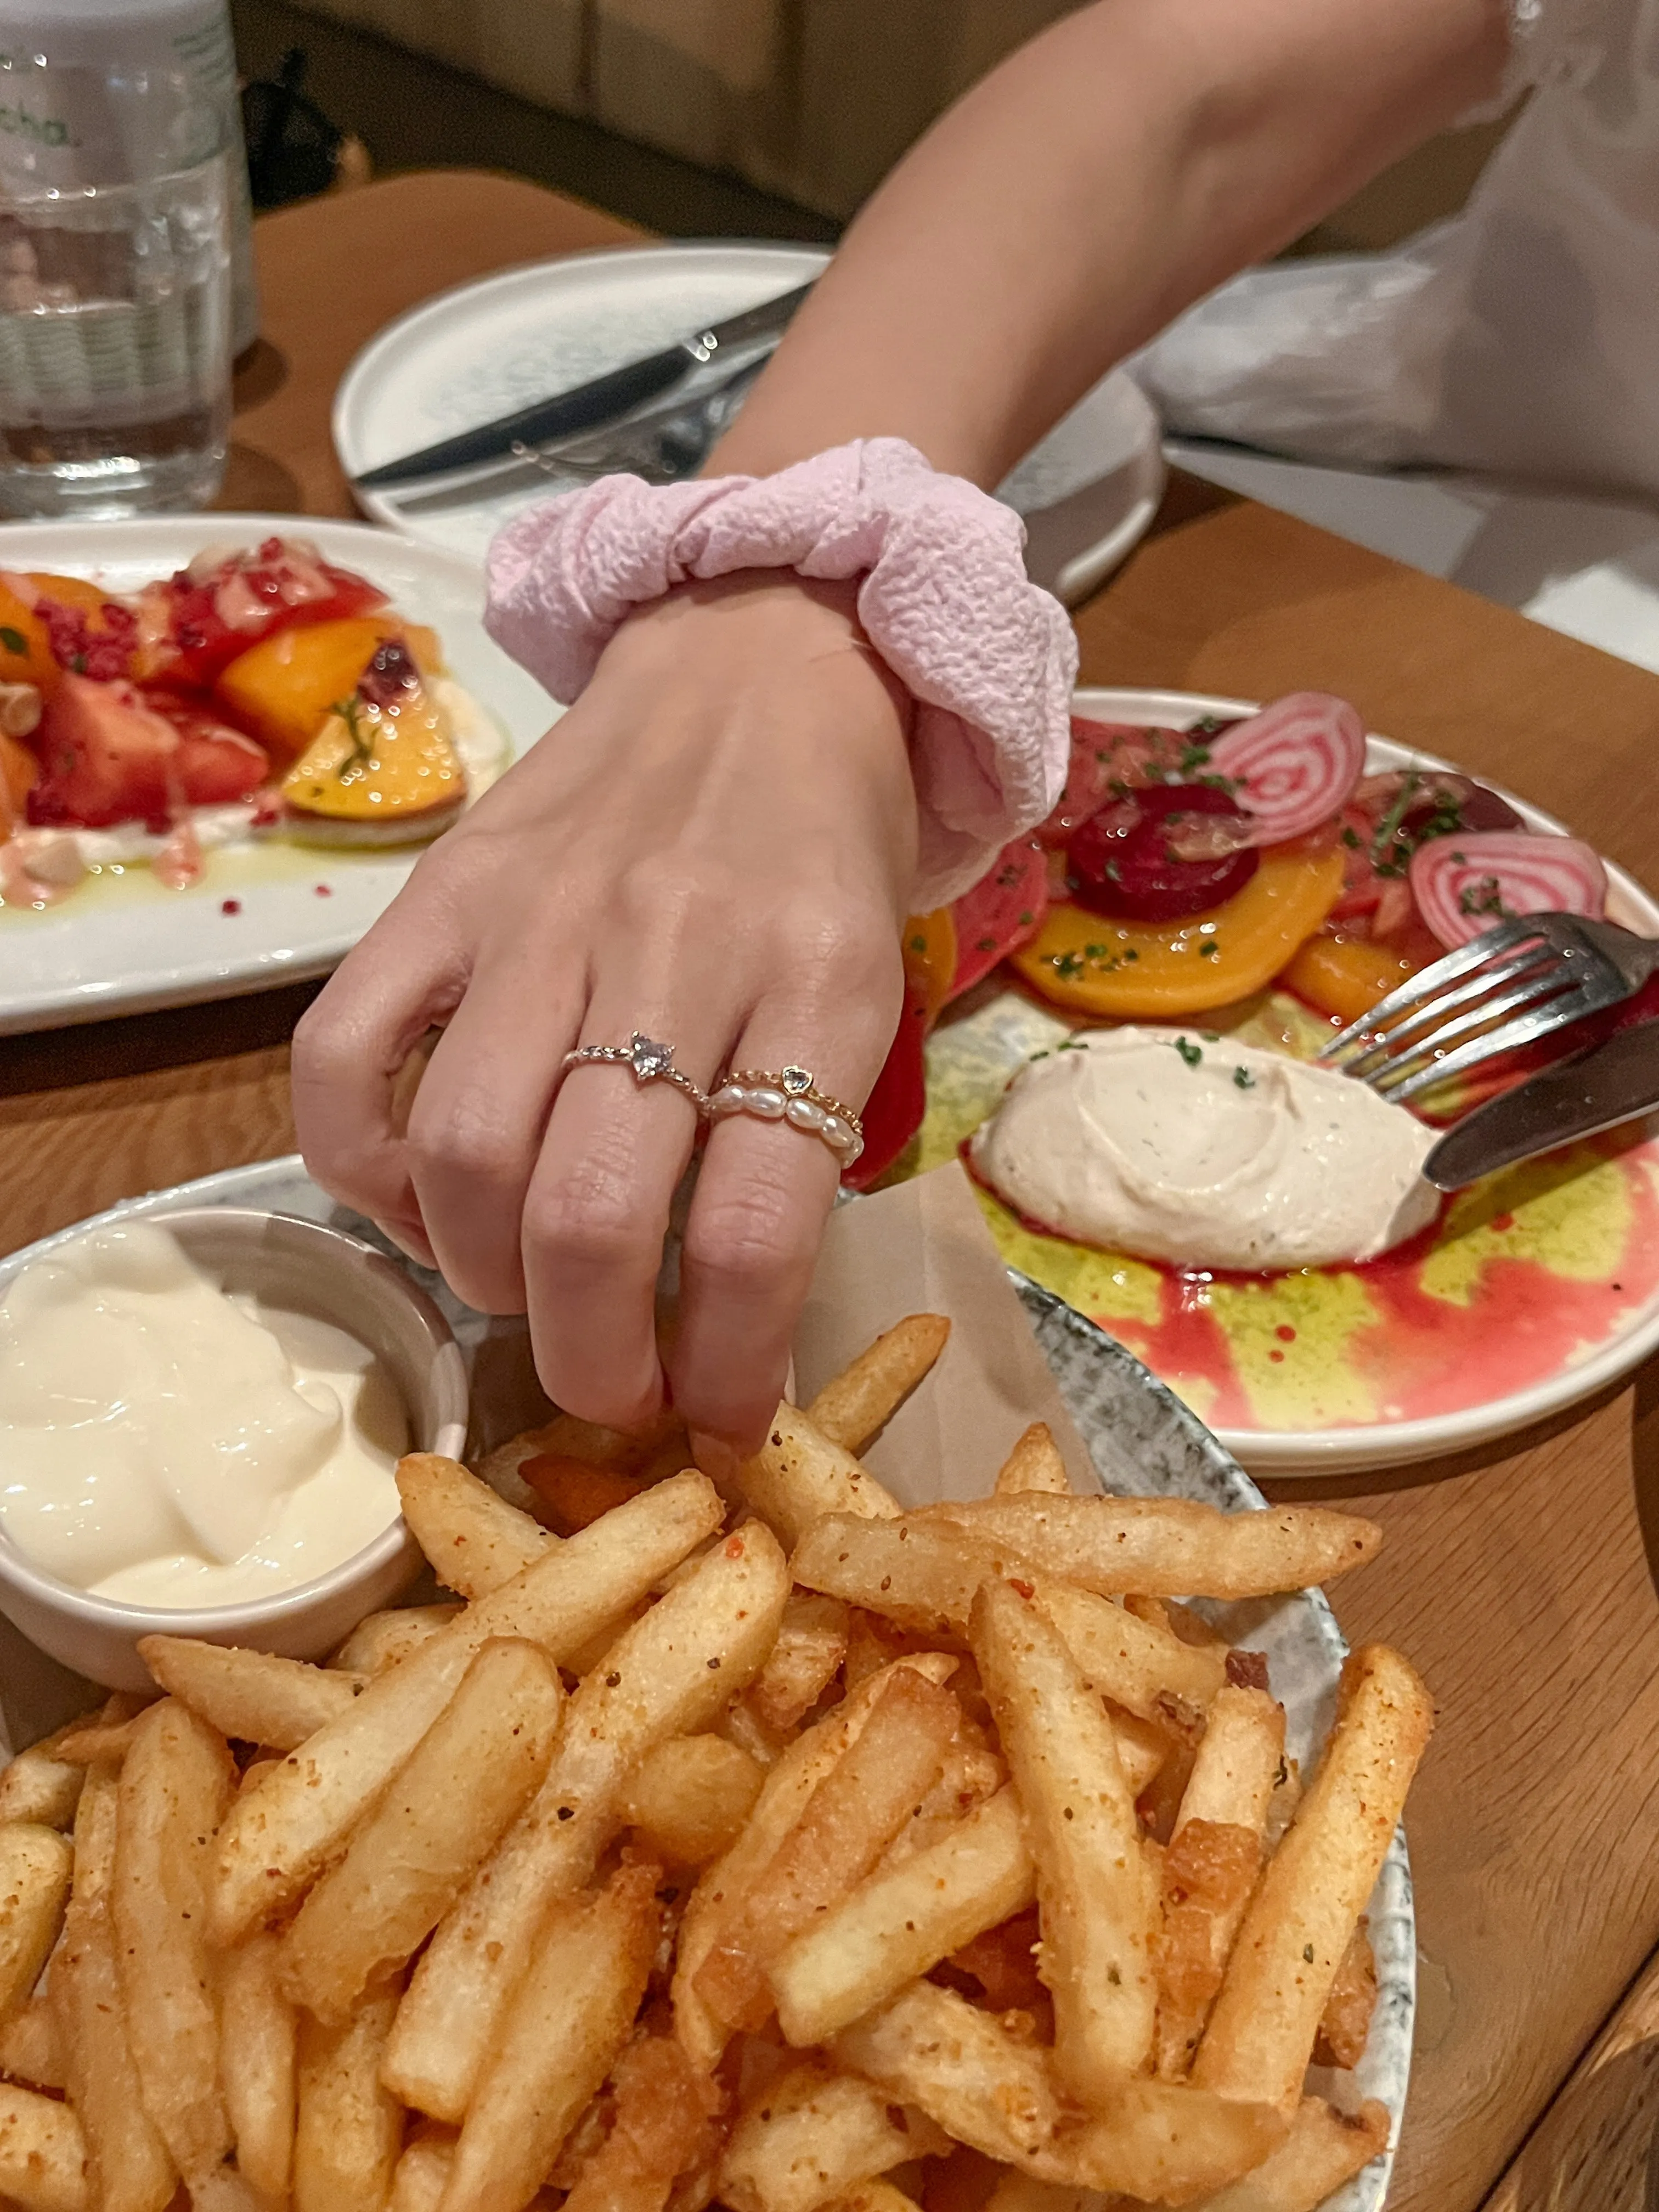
(478, 1124)
(349, 1048)
(597, 1209)
(756, 1219)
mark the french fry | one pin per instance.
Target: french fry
(411, 1854)
(815, 2136)
(1324, 2149)
(876, 2196)
(571, 1494)
(131, 2167)
(1097, 1889)
(472, 1538)
(252, 1696)
(40, 1787)
(384, 1638)
(857, 1808)
(1210, 1865)
(932, 2049)
(177, 1783)
(43, 2152)
(658, 1449)
(96, 1739)
(568, 2020)
(810, 1646)
(1033, 1464)
(1003, 1961)
(1170, 1546)
(920, 1574)
(1143, 1751)
(1346, 2023)
(900, 1922)
(1302, 1916)
(798, 1475)
(1134, 1662)
(1020, 2192)
(854, 1407)
(422, 2173)
(31, 2048)
(257, 2037)
(348, 2130)
(687, 1798)
(662, 2127)
(276, 1840)
(720, 1900)
(35, 1864)
(667, 1676)
(1164, 2142)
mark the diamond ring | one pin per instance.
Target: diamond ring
(651, 1062)
(790, 1096)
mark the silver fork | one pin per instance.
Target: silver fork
(1511, 987)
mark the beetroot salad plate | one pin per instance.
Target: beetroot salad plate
(1124, 1060)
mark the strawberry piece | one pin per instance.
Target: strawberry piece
(1003, 911)
(105, 757)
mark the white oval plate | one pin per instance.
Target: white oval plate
(126, 948)
(1088, 492)
(1326, 1451)
(1142, 1440)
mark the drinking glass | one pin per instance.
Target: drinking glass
(114, 293)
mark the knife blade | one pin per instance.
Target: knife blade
(1612, 1083)
(590, 406)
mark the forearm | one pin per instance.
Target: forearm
(1105, 177)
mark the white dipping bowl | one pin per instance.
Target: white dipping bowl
(298, 1266)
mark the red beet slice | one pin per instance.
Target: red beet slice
(1295, 764)
(1465, 885)
(1124, 863)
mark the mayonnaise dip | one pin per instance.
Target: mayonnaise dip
(1205, 1153)
(164, 1443)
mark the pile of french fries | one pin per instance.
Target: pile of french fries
(778, 1850)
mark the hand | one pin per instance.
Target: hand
(716, 846)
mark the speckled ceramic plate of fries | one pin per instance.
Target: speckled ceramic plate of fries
(853, 1841)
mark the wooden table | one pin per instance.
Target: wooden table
(1521, 1578)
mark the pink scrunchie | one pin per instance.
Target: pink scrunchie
(989, 657)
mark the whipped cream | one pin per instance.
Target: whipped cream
(1205, 1153)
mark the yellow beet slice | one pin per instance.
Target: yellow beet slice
(1124, 969)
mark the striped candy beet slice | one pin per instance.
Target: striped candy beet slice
(1294, 765)
(1465, 885)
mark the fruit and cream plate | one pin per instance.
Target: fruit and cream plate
(1118, 1029)
(223, 741)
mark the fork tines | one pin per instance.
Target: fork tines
(1513, 986)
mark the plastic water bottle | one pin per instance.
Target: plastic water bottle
(72, 132)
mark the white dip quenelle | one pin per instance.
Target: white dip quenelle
(1206, 1153)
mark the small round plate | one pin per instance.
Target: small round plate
(1539, 1287)
(1088, 492)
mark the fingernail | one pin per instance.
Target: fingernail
(715, 1457)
